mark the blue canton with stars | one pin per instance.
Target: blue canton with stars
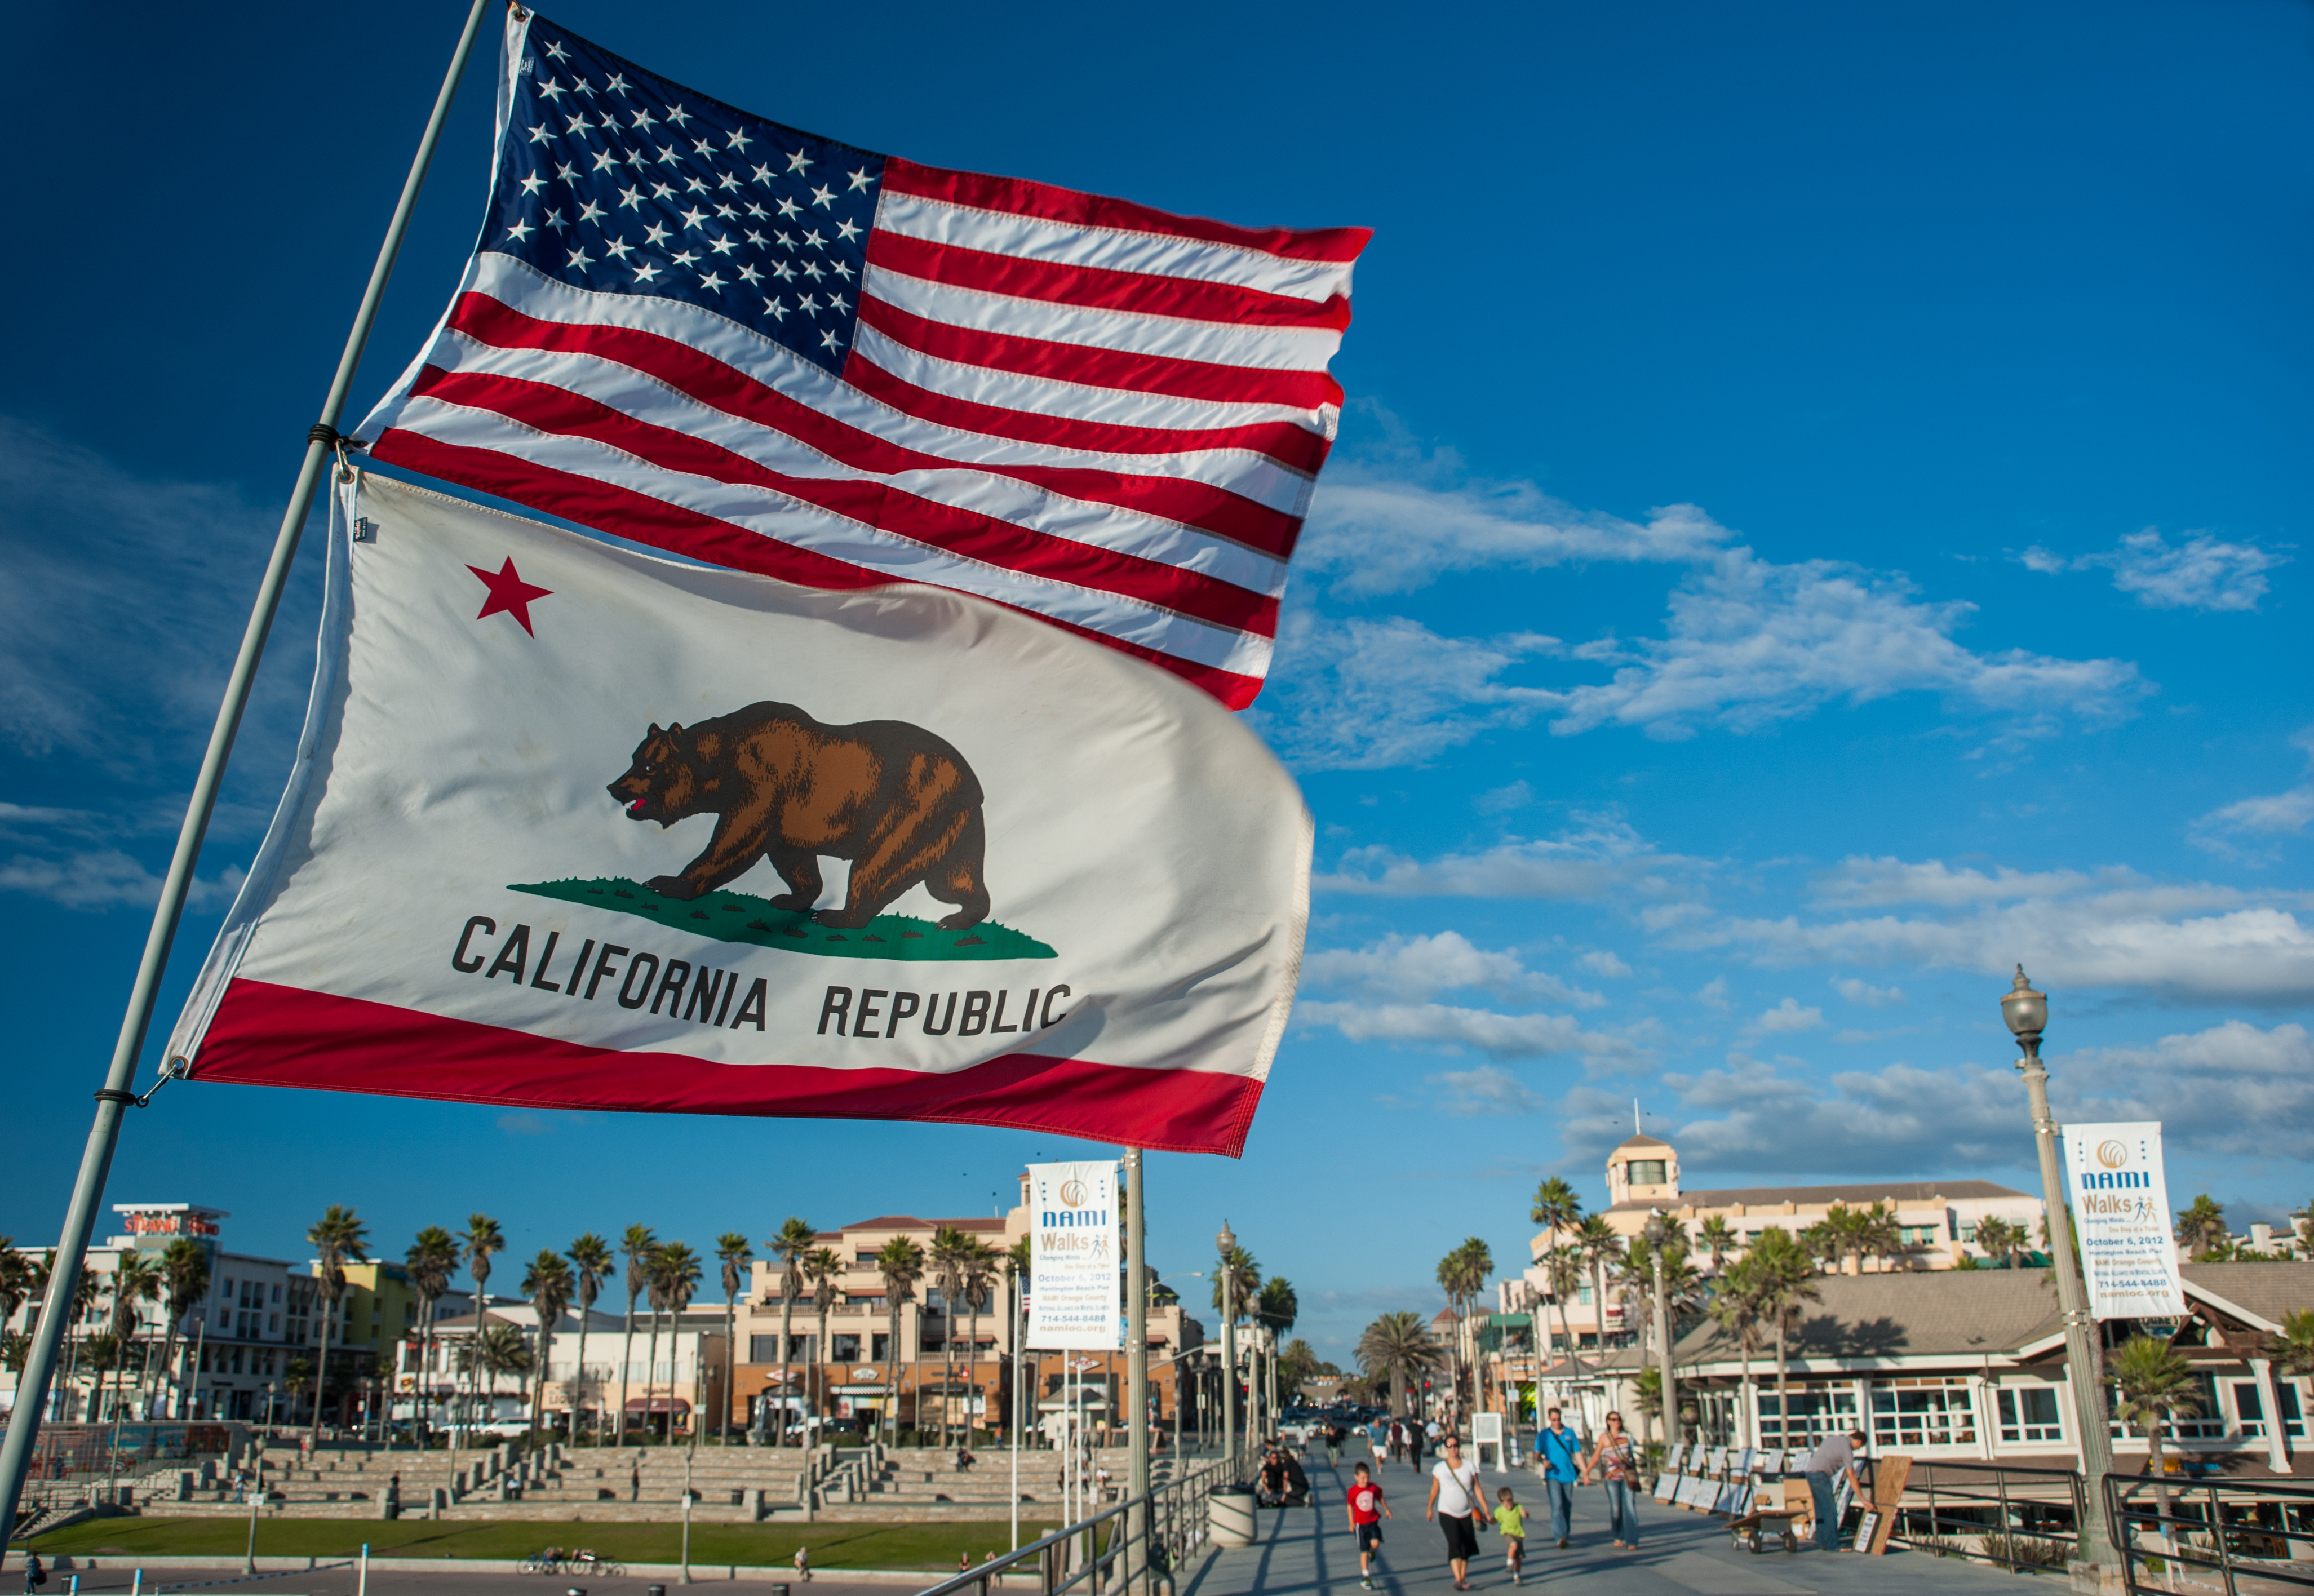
(617, 180)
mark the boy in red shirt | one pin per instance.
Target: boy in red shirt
(1367, 1510)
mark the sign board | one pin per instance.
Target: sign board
(1076, 1258)
(2121, 1209)
(1487, 1431)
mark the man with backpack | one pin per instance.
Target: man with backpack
(1558, 1453)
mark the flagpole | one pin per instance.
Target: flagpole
(96, 1158)
(1136, 1366)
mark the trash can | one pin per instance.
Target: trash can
(1229, 1515)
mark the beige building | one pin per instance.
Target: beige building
(952, 1362)
(1937, 1219)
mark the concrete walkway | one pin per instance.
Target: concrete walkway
(1680, 1554)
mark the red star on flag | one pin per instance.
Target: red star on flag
(508, 593)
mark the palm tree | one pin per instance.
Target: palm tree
(136, 1281)
(15, 1279)
(2293, 1349)
(497, 1349)
(2203, 1228)
(980, 1267)
(431, 1259)
(2301, 1221)
(185, 1281)
(1562, 1271)
(481, 1239)
(1719, 1237)
(789, 1246)
(673, 1267)
(1598, 1242)
(547, 1283)
(1275, 1310)
(949, 1249)
(734, 1252)
(338, 1238)
(1462, 1274)
(2002, 1240)
(2156, 1385)
(1396, 1347)
(1786, 1285)
(823, 1266)
(1736, 1308)
(1019, 1261)
(1239, 1268)
(591, 1265)
(1558, 1207)
(638, 1243)
(901, 1262)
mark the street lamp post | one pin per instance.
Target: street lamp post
(1227, 1242)
(1659, 1233)
(2028, 1014)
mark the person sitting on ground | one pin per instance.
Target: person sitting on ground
(1273, 1478)
(803, 1564)
(964, 1458)
(1297, 1484)
(964, 1562)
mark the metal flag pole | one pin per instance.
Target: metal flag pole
(1136, 1364)
(96, 1159)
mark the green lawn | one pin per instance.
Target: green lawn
(832, 1545)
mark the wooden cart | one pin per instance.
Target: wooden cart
(1777, 1506)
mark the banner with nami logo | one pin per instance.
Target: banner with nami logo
(1075, 1299)
(2121, 1208)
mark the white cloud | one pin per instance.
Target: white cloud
(1363, 694)
(1487, 1090)
(1864, 993)
(1374, 531)
(2202, 574)
(1413, 969)
(1600, 962)
(1749, 643)
(1502, 800)
(1752, 1117)
(1868, 883)
(1440, 1024)
(2231, 1088)
(1600, 852)
(1713, 993)
(106, 878)
(2196, 941)
(1788, 1016)
(2276, 815)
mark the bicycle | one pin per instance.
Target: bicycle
(588, 1563)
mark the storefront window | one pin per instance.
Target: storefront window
(2029, 1414)
(1925, 1412)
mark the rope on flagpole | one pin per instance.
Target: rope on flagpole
(96, 1158)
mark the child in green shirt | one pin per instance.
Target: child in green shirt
(1510, 1519)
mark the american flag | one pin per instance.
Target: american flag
(766, 350)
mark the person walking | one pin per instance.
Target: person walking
(1835, 1456)
(1397, 1441)
(1378, 1439)
(1616, 1461)
(1333, 1446)
(1456, 1499)
(1559, 1451)
(36, 1573)
(1414, 1447)
(1510, 1521)
(1367, 1510)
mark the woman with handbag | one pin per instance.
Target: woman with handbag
(1616, 1461)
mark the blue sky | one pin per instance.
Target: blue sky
(1818, 521)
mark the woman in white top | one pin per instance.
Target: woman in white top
(1455, 1499)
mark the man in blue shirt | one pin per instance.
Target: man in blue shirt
(1559, 1451)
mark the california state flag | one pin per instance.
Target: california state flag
(576, 827)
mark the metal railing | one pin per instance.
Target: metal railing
(2235, 1536)
(1126, 1547)
(2019, 1518)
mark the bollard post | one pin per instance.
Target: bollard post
(361, 1581)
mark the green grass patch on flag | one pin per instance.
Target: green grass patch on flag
(741, 917)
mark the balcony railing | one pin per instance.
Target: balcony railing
(2178, 1533)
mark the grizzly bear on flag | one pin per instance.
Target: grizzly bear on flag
(895, 800)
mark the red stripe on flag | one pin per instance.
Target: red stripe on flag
(726, 388)
(1091, 367)
(269, 1035)
(624, 512)
(1296, 448)
(1098, 287)
(1019, 197)
(965, 534)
